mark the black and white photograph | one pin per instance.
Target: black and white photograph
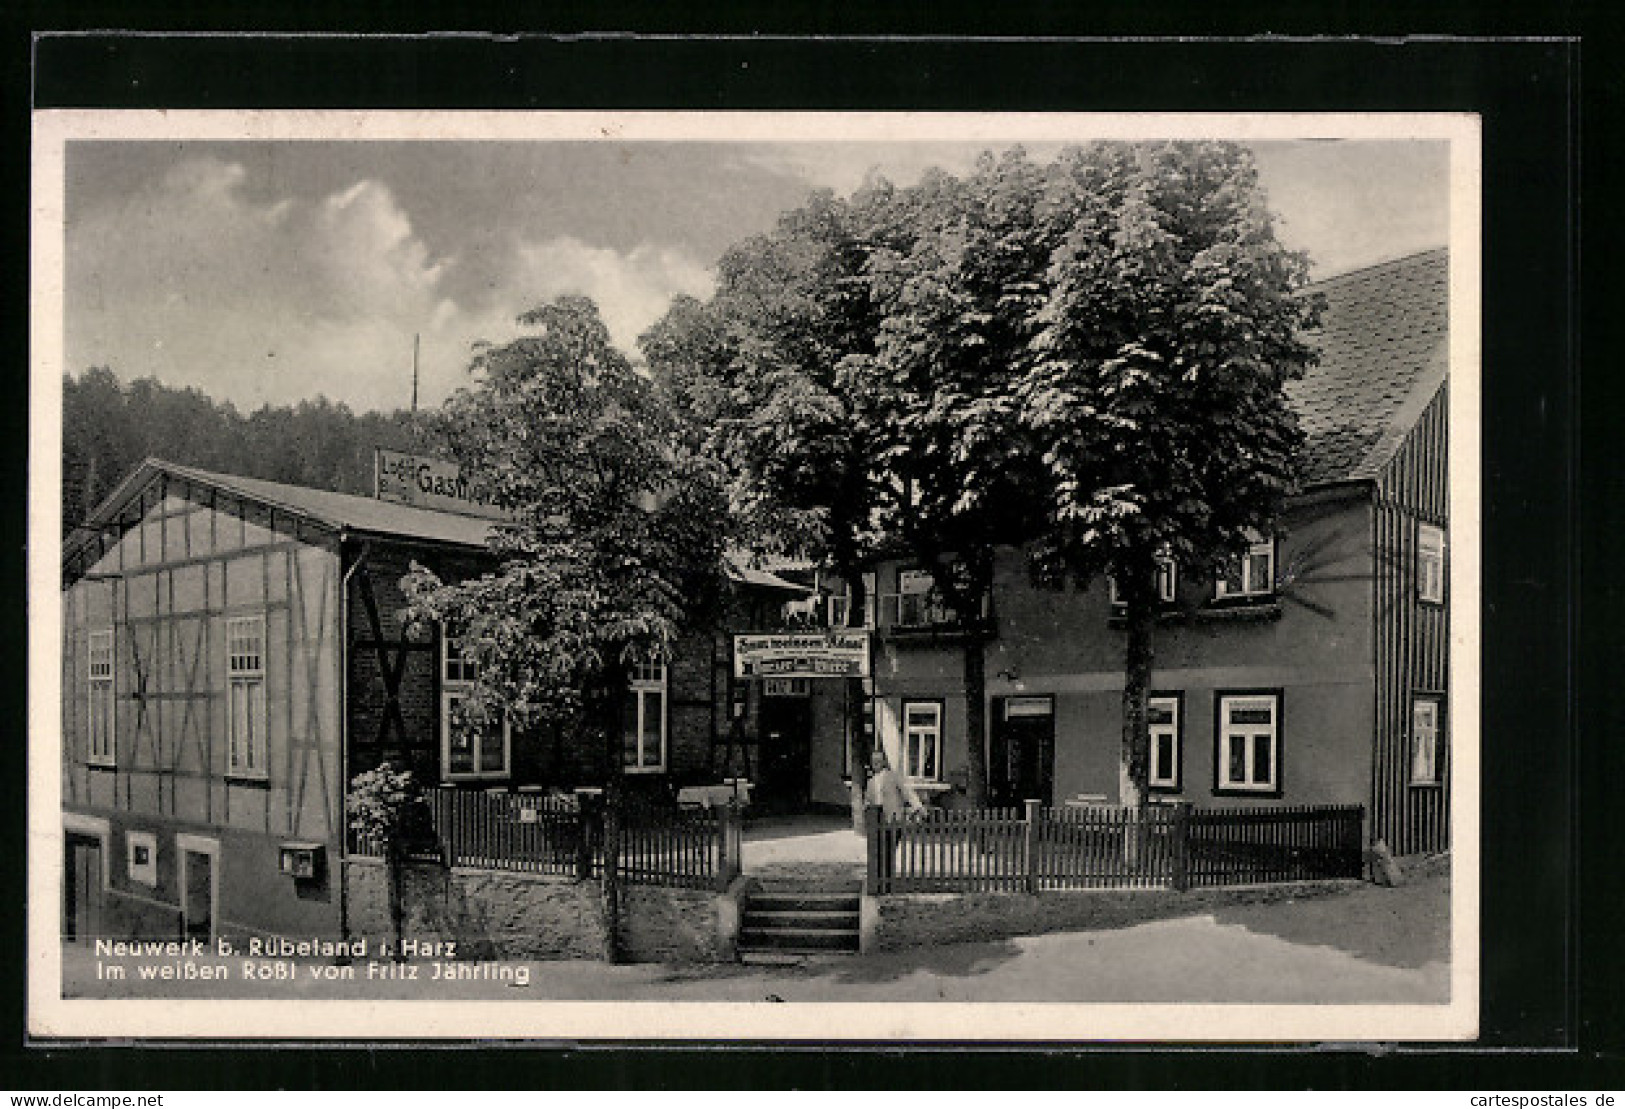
(758, 575)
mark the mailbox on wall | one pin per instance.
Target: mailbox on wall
(303, 861)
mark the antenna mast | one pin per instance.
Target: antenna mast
(415, 337)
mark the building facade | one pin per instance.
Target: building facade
(235, 651)
(1312, 671)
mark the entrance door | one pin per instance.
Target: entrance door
(784, 753)
(1021, 766)
(199, 877)
(82, 889)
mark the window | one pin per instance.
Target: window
(103, 743)
(838, 605)
(245, 697)
(1430, 563)
(922, 740)
(643, 745)
(1252, 574)
(470, 748)
(1426, 736)
(1167, 584)
(917, 602)
(141, 857)
(1248, 759)
(1164, 718)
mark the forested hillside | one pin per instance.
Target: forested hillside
(108, 427)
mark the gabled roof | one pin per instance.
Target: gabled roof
(358, 515)
(338, 511)
(1384, 350)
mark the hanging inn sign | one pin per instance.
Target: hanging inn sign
(836, 654)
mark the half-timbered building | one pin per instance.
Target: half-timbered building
(234, 651)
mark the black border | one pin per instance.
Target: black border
(1528, 94)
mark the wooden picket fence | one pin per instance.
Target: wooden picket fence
(536, 834)
(696, 850)
(1033, 849)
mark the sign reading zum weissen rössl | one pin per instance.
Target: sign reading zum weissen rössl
(430, 483)
(836, 654)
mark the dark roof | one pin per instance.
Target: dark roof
(365, 515)
(339, 511)
(1384, 349)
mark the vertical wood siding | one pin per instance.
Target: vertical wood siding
(1412, 638)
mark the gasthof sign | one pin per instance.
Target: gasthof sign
(804, 655)
(430, 483)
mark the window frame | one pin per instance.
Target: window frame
(1222, 784)
(1424, 558)
(639, 687)
(1436, 701)
(938, 707)
(1176, 783)
(248, 678)
(138, 872)
(1258, 544)
(934, 612)
(450, 690)
(1165, 596)
(101, 687)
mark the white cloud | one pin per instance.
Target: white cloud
(632, 290)
(256, 301)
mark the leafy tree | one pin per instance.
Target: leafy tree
(615, 546)
(955, 306)
(1152, 396)
(757, 368)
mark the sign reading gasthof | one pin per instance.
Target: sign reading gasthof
(836, 654)
(430, 483)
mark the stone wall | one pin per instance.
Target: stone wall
(500, 914)
(489, 913)
(897, 921)
(660, 925)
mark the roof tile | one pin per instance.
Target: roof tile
(1382, 342)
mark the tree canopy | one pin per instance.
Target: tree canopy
(1153, 395)
(1084, 358)
(109, 426)
(617, 538)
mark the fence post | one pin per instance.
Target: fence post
(728, 862)
(1182, 846)
(874, 881)
(586, 812)
(1029, 847)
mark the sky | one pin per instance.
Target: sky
(270, 272)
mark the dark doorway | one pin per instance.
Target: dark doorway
(1021, 764)
(197, 908)
(784, 754)
(82, 906)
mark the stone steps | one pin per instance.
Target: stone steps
(799, 921)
